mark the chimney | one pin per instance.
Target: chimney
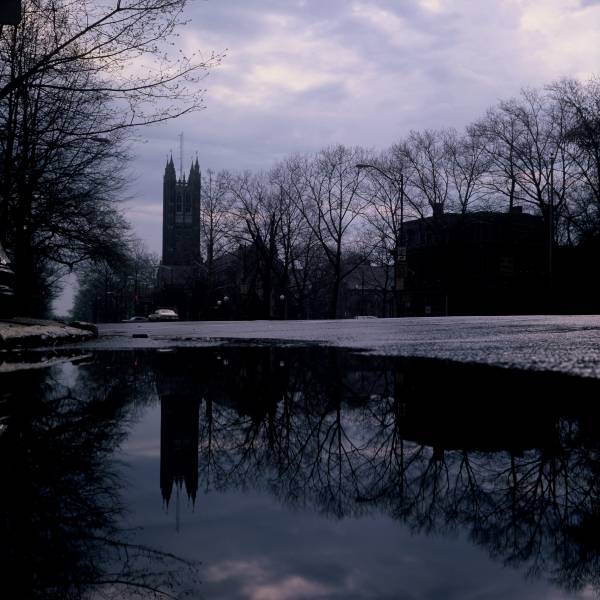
(516, 210)
(438, 211)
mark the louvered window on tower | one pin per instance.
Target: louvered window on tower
(188, 207)
(179, 208)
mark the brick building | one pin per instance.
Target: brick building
(474, 263)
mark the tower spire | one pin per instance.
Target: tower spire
(181, 155)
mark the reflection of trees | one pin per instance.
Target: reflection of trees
(60, 504)
(440, 447)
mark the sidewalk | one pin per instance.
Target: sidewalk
(30, 333)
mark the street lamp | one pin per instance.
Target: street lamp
(551, 220)
(283, 300)
(399, 251)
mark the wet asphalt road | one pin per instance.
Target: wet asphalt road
(568, 344)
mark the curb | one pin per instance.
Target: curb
(31, 333)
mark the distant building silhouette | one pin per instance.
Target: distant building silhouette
(179, 271)
(474, 263)
(482, 262)
(181, 217)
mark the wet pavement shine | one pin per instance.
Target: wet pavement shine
(569, 344)
(295, 472)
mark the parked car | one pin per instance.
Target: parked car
(135, 319)
(163, 314)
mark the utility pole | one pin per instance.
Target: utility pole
(551, 224)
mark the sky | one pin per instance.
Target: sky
(300, 75)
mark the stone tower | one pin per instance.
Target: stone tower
(181, 217)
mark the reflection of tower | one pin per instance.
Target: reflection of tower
(179, 444)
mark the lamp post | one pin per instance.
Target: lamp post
(283, 300)
(399, 251)
(551, 221)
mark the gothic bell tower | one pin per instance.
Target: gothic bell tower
(181, 217)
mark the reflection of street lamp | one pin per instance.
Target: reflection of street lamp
(399, 251)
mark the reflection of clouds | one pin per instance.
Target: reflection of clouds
(520, 491)
(228, 569)
(290, 588)
(261, 583)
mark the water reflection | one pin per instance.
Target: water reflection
(511, 458)
(60, 506)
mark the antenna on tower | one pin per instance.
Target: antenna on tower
(181, 155)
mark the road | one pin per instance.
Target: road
(569, 344)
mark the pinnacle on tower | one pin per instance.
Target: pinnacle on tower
(170, 168)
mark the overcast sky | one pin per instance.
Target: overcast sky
(303, 74)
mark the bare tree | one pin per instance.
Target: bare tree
(526, 139)
(328, 195)
(580, 105)
(112, 40)
(300, 252)
(427, 170)
(468, 167)
(109, 292)
(74, 77)
(258, 212)
(216, 223)
(499, 134)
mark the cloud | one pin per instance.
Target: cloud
(305, 74)
(434, 6)
(561, 35)
(146, 212)
(399, 31)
